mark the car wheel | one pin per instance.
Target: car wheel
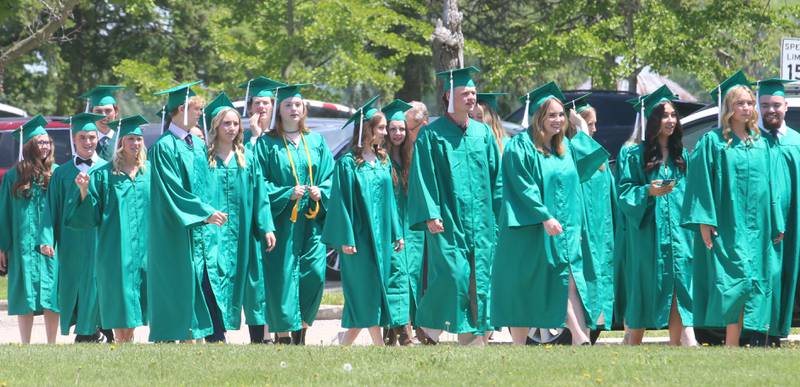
(551, 336)
(332, 269)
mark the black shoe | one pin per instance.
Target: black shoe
(108, 334)
(402, 337)
(299, 337)
(283, 340)
(389, 336)
(268, 342)
(95, 338)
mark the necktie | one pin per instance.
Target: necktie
(104, 142)
(79, 161)
(188, 140)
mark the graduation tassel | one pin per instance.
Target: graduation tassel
(205, 131)
(719, 107)
(758, 105)
(450, 108)
(186, 109)
(163, 117)
(71, 142)
(642, 119)
(19, 158)
(525, 122)
(116, 139)
(246, 98)
(275, 108)
(360, 128)
(88, 101)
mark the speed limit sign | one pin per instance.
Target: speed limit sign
(790, 58)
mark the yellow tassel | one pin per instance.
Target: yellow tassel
(293, 218)
(313, 213)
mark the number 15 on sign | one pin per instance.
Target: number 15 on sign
(790, 58)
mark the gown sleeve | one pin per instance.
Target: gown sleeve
(776, 212)
(423, 190)
(338, 230)
(51, 216)
(87, 213)
(5, 212)
(262, 213)
(634, 200)
(323, 178)
(522, 194)
(184, 205)
(588, 154)
(698, 203)
(496, 178)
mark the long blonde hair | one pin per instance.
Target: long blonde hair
(491, 118)
(238, 147)
(537, 130)
(141, 158)
(730, 99)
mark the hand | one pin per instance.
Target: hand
(269, 238)
(47, 250)
(255, 124)
(656, 189)
(314, 193)
(217, 218)
(349, 250)
(707, 232)
(399, 244)
(552, 227)
(82, 181)
(298, 192)
(578, 122)
(3, 261)
(778, 239)
(435, 226)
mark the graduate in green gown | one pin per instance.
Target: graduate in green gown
(362, 224)
(237, 189)
(600, 209)
(114, 199)
(538, 278)
(259, 97)
(101, 100)
(26, 237)
(76, 248)
(652, 187)
(181, 218)
(454, 194)
(405, 280)
(731, 204)
(297, 167)
(772, 108)
(486, 111)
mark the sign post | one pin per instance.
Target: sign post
(790, 58)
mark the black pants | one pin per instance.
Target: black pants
(213, 309)
(256, 334)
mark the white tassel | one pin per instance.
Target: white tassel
(642, 118)
(719, 107)
(758, 105)
(116, 138)
(636, 127)
(19, 158)
(88, 101)
(450, 108)
(360, 128)
(205, 131)
(525, 122)
(186, 109)
(246, 98)
(71, 142)
(275, 108)
(163, 117)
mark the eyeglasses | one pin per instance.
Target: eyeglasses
(44, 142)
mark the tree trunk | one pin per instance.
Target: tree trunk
(447, 41)
(414, 73)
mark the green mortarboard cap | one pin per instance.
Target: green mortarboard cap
(538, 96)
(490, 99)
(460, 77)
(83, 122)
(129, 126)
(215, 107)
(661, 95)
(260, 87)
(178, 95)
(32, 128)
(101, 95)
(365, 112)
(579, 104)
(772, 86)
(737, 79)
(290, 91)
(395, 111)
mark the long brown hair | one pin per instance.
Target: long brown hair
(406, 151)
(494, 123)
(368, 140)
(652, 151)
(238, 147)
(279, 132)
(32, 170)
(536, 130)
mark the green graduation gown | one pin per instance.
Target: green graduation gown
(405, 276)
(661, 263)
(730, 187)
(178, 242)
(294, 272)
(76, 249)
(621, 237)
(599, 195)
(117, 206)
(240, 193)
(455, 177)
(32, 276)
(531, 272)
(787, 183)
(362, 212)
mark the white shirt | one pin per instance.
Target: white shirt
(782, 129)
(83, 167)
(178, 132)
(100, 135)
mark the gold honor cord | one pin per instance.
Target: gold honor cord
(311, 213)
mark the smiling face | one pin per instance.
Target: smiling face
(773, 110)
(85, 143)
(379, 130)
(44, 145)
(554, 119)
(668, 121)
(132, 144)
(397, 132)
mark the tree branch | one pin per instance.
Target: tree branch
(57, 18)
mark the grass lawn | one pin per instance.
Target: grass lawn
(4, 288)
(332, 298)
(175, 364)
